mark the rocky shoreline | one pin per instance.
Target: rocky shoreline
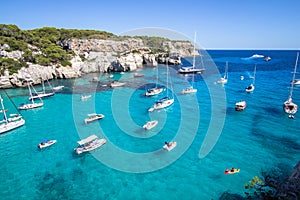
(96, 55)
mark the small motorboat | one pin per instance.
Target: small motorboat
(85, 97)
(151, 124)
(169, 146)
(232, 171)
(242, 77)
(138, 75)
(117, 84)
(267, 58)
(239, 106)
(93, 117)
(46, 143)
(57, 88)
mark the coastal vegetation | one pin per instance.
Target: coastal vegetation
(47, 46)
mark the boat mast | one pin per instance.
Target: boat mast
(194, 51)
(3, 110)
(226, 70)
(295, 69)
(254, 74)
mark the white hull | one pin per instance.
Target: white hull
(170, 147)
(116, 84)
(290, 108)
(188, 90)
(154, 91)
(46, 144)
(189, 70)
(250, 88)
(57, 88)
(94, 118)
(161, 105)
(83, 98)
(150, 125)
(222, 81)
(40, 96)
(11, 125)
(30, 106)
(240, 106)
(91, 146)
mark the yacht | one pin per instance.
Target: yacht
(162, 103)
(93, 117)
(88, 144)
(10, 123)
(289, 106)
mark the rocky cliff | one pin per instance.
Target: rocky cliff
(93, 55)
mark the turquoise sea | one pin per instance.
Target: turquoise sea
(211, 136)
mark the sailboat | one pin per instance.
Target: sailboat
(191, 89)
(223, 80)
(288, 106)
(156, 90)
(165, 101)
(33, 104)
(43, 93)
(251, 87)
(9, 123)
(191, 69)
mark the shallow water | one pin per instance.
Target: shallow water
(132, 165)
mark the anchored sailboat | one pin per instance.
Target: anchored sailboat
(156, 90)
(223, 80)
(289, 106)
(191, 89)
(166, 101)
(43, 93)
(251, 87)
(191, 69)
(9, 123)
(33, 104)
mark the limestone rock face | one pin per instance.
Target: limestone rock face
(92, 55)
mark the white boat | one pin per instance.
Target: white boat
(242, 77)
(43, 93)
(289, 106)
(57, 88)
(11, 123)
(151, 124)
(192, 69)
(240, 106)
(267, 58)
(162, 103)
(85, 97)
(297, 82)
(156, 90)
(191, 88)
(166, 101)
(169, 146)
(32, 104)
(224, 80)
(46, 143)
(116, 84)
(93, 117)
(251, 87)
(257, 56)
(88, 144)
(138, 75)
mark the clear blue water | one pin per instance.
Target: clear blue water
(210, 134)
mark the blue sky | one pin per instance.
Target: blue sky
(229, 24)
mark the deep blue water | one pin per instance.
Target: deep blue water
(210, 134)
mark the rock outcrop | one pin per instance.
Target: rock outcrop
(92, 55)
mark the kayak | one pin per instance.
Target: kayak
(232, 171)
(46, 143)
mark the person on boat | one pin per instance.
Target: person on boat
(232, 170)
(226, 170)
(168, 144)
